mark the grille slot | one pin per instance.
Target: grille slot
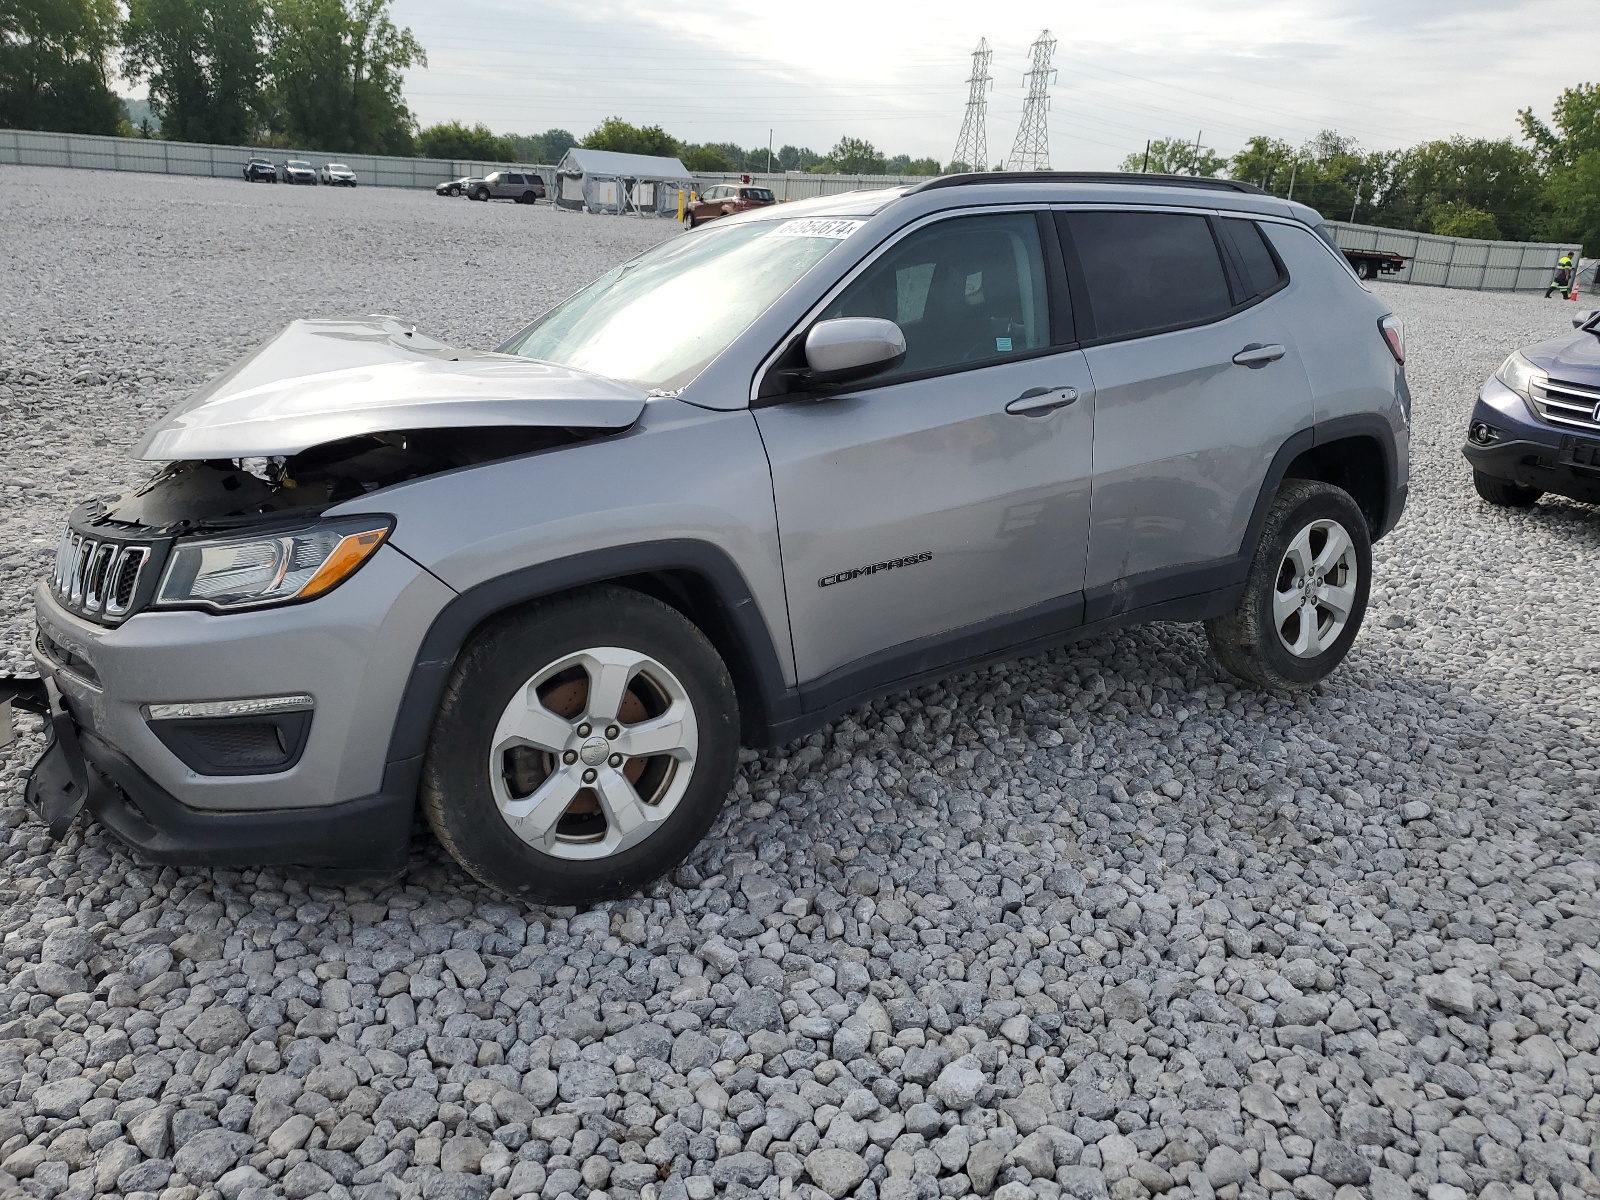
(1570, 405)
(125, 579)
(99, 578)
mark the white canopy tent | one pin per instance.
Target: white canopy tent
(607, 181)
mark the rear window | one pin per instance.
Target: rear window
(1148, 271)
(1258, 269)
(756, 194)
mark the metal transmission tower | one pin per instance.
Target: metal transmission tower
(972, 146)
(1031, 150)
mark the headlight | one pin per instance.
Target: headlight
(1518, 374)
(268, 568)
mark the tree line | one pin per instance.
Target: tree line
(1546, 188)
(327, 74)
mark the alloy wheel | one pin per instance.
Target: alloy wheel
(593, 753)
(1315, 591)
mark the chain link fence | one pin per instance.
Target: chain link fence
(1438, 261)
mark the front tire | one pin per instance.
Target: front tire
(481, 194)
(583, 747)
(1503, 492)
(1305, 594)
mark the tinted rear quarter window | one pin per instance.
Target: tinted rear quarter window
(1256, 264)
(1148, 271)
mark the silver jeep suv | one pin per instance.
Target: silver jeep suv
(547, 592)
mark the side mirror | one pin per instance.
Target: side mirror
(1583, 318)
(849, 348)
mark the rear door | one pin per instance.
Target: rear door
(917, 505)
(1197, 387)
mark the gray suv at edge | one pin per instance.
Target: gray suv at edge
(547, 592)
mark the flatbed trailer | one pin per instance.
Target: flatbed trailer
(1369, 264)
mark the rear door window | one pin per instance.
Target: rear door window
(965, 291)
(1147, 271)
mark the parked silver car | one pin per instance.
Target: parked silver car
(298, 171)
(337, 175)
(746, 482)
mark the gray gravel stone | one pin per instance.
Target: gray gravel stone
(837, 1172)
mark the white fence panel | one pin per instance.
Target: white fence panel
(1438, 261)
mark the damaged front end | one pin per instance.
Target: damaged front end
(256, 503)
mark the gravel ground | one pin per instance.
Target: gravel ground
(1098, 924)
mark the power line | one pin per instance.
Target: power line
(972, 144)
(1031, 150)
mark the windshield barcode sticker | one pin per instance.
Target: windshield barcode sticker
(819, 227)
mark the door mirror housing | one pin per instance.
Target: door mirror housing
(846, 349)
(1582, 319)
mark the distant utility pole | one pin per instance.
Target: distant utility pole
(1031, 150)
(972, 145)
(1357, 200)
(1146, 166)
(769, 152)
(1194, 159)
(1293, 169)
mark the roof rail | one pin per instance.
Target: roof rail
(1122, 177)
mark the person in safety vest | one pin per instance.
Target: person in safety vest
(1563, 279)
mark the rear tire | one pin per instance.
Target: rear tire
(528, 198)
(1504, 493)
(583, 747)
(1305, 594)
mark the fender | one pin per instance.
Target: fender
(748, 642)
(1380, 431)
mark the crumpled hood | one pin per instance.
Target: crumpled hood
(323, 381)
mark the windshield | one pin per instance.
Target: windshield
(304, 166)
(658, 320)
(337, 167)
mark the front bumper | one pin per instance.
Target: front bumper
(341, 802)
(1530, 453)
(368, 836)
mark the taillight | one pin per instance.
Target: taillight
(1394, 336)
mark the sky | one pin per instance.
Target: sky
(1388, 72)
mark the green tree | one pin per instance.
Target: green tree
(336, 68)
(616, 134)
(705, 160)
(1455, 218)
(203, 59)
(1176, 156)
(1575, 127)
(854, 156)
(457, 141)
(1574, 196)
(54, 65)
(1264, 161)
(1498, 178)
(556, 143)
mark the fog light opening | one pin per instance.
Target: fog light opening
(1483, 434)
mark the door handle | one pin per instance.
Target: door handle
(1035, 402)
(1256, 355)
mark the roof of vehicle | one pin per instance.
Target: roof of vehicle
(613, 162)
(1002, 187)
(337, 167)
(298, 162)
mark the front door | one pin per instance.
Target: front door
(917, 505)
(1197, 386)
